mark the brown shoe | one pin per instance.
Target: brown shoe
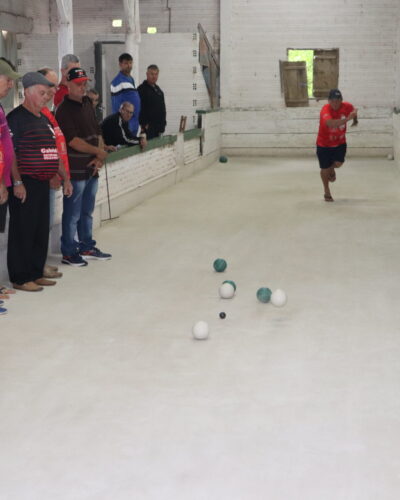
(48, 273)
(29, 286)
(45, 282)
(50, 268)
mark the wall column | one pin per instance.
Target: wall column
(65, 29)
(133, 36)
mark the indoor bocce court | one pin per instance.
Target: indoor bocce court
(109, 387)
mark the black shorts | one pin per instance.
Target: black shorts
(328, 156)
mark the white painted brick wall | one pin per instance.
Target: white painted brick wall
(255, 36)
(211, 123)
(130, 173)
(191, 150)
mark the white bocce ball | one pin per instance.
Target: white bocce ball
(278, 298)
(390, 156)
(200, 330)
(226, 291)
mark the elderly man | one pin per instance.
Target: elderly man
(7, 81)
(94, 96)
(86, 156)
(36, 163)
(55, 182)
(116, 130)
(123, 89)
(153, 115)
(68, 62)
(331, 140)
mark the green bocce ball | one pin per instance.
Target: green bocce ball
(264, 294)
(220, 265)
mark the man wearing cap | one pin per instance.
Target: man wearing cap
(331, 140)
(7, 81)
(68, 62)
(36, 163)
(86, 156)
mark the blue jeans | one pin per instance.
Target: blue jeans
(77, 217)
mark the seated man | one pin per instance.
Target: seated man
(115, 128)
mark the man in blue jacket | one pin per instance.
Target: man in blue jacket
(123, 89)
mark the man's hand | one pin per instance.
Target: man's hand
(143, 142)
(67, 188)
(55, 182)
(110, 149)
(101, 155)
(353, 114)
(20, 192)
(3, 193)
(96, 164)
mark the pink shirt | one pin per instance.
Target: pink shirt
(6, 148)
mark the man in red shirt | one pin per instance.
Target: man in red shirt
(68, 62)
(331, 140)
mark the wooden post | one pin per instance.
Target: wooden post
(133, 35)
(65, 29)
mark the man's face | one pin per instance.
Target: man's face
(152, 76)
(52, 77)
(77, 89)
(37, 96)
(94, 98)
(6, 84)
(127, 112)
(126, 66)
(335, 103)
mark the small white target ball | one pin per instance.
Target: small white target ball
(200, 330)
(278, 298)
(390, 156)
(226, 291)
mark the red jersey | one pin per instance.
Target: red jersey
(62, 91)
(60, 139)
(333, 137)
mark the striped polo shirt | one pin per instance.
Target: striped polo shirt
(34, 144)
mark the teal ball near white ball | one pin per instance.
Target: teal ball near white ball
(226, 291)
(200, 330)
(278, 298)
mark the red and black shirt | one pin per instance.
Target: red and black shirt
(34, 144)
(333, 137)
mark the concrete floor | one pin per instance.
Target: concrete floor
(106, 396)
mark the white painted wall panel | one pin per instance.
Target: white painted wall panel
(256, 34)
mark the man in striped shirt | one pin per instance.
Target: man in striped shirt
(37, 161)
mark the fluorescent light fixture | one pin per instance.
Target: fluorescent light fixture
(152, 30)
(4, 32)
(117, 23)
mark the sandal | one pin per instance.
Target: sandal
(328, 197)
(4, 296)
(6, 291)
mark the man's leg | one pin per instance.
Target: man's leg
(325, 176)
(24, 219)
(41, 243)
(70, 218)
(85, 223)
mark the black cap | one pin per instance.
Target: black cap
(77, 75)
(335, 94)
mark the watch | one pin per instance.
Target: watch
(18, 183)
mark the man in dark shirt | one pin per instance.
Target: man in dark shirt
(36, 162)
(116, 130)
(86, 155)
(153, 114)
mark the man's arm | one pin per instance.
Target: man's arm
(67, 188)
(19, 188)
(84, 147)
(337, 123)
(3, 191)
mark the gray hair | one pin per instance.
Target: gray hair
(67, 59)
(46, 71)
(126, 103)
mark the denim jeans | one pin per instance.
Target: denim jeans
(77, 217)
